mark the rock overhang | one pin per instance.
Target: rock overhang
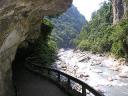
(19, 20)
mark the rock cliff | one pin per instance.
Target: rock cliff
(120, 10)
(19, 22)
(67, 27)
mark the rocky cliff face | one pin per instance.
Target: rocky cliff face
(120, 10)
(67, 27)
(19, 22)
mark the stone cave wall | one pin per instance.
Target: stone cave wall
(20, 21)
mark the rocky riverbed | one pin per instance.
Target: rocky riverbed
(102, 72)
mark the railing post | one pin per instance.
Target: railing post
(50, 71)
(58, 77)
(69, 83)
(84, 93)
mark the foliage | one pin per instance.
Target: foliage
(44, 48)
(120, 39)
(47, 22)
(95, 34)
(46, 53)
(67, 27)
(101, 36)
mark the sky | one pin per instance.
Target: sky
(86, 7)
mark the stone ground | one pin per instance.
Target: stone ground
(29, 84)
(101, 71)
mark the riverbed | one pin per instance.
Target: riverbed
(104, 73)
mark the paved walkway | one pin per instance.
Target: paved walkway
(29, 84)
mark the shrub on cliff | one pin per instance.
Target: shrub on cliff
(95, 34)
(120, 39)
(44, 48)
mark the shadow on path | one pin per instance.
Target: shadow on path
(29, 84)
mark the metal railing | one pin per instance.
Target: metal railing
(85, 87)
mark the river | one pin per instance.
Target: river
(102, 72)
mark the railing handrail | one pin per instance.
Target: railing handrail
(83, 84)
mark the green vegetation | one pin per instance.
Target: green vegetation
(100, 36)
(64, 28)
(44, 48)
(120, 39)
(67, 27)
(47, 22)
(95, 34)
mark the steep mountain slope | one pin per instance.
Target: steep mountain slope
(102, 35)
(67, 27)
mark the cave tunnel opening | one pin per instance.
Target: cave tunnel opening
(21, 54)
(18, 66)
(27, 49)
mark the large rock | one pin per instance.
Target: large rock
(120, 10)
(20, 21)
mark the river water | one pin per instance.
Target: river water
(104, 73)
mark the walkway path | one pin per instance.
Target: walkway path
(29, 84)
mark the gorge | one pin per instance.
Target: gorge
(20, 22)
